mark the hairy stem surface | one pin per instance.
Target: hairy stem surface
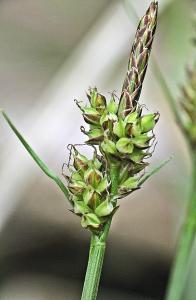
(183, 252)
(97, 250)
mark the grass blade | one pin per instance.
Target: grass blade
(36, 158)
(166, 90)
(153, 171)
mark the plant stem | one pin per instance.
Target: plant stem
(97, 249)
(183, 252)
(93, 273)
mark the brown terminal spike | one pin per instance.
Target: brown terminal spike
(138, 60)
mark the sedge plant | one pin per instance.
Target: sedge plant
(122, 136)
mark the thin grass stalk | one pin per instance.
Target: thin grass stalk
(94, 268)
(98, 245)
(188, 232)
(185, 244)
(169, 97)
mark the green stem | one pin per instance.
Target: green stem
(183, 252)
(93, 273)
(114, 175)
(97, 249)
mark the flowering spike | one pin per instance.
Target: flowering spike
(138, 61)
(123, 134)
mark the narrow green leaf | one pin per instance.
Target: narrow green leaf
(166, 90)
(153, 171)
(36, 158)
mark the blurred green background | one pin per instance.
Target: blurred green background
(50, 53)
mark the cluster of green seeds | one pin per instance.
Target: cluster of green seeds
(89, 187)
(121, 134)
(122, 137)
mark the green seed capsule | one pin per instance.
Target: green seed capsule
(142, 141)
(94, 200)
(108, 147)
(87, 195)
(95, 136)
(107, 121)
(97, 100)
(96, 163)
(112, 106)
(136, 129)
(93, 177)
(76, 187)
(91, 116)
(132, 117)
(104, 209)
(148, 122)
(80, 208)
(76, 176)
(103, 185)
(130, 184)
(125, 106)
(125, 145)
(138, 155)
(119, 128)
(90, 220)
(80, 161)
